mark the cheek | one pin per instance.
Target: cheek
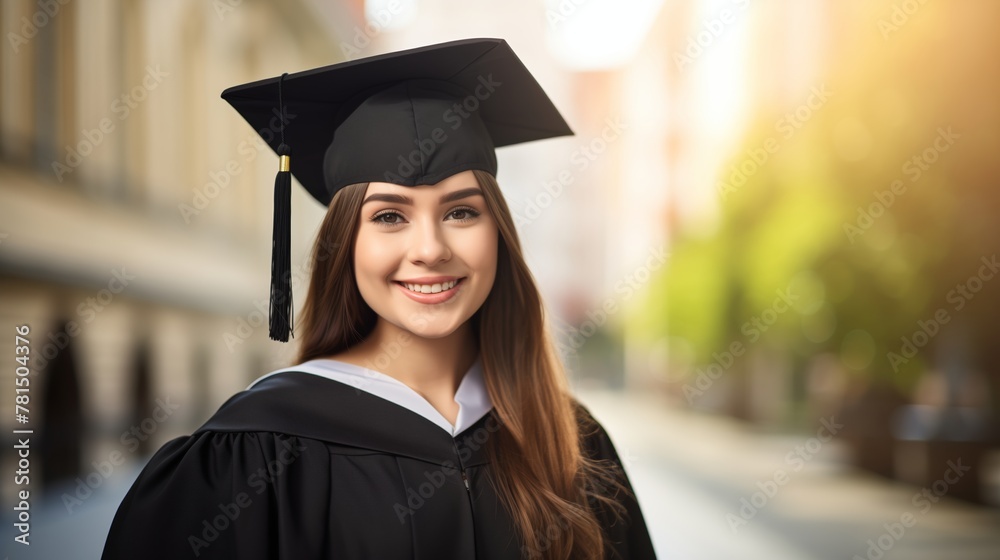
(371, 258)
(482, 253)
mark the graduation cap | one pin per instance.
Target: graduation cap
(411, 117)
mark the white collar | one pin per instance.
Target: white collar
(472, 397)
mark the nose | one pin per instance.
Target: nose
(429, 245)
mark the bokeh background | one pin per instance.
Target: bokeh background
(768, 251)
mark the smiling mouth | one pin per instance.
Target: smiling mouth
(432, 288)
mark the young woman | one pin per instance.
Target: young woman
(428, 415)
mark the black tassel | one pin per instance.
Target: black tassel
(280, 319)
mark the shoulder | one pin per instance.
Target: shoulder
(187, 498)
(273, 396)
(583, 415)
(629, 539)
(290, 402)
(594, 437)
(209, 462)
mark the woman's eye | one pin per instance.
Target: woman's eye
(378, 219)
(465, 214)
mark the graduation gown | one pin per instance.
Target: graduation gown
(300, 466)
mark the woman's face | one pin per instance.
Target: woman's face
(425, 257)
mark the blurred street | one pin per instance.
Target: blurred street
(689, 471)
(57, 533)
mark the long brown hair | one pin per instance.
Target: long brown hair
(547, 482)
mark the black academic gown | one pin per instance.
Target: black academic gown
(303, 467)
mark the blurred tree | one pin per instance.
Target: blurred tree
(880, 213)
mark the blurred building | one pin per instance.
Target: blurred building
(135, 214)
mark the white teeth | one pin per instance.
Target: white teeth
(431, 288)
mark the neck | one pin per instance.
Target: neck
(430, 366)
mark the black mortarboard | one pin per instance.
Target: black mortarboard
(410, 117)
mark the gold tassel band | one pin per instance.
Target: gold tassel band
(285, 163)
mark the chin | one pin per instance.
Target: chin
(431, 328)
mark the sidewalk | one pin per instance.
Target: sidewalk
(711, 488)
(58, 533)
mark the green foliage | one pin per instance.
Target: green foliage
(879, 210)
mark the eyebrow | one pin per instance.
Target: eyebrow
(403, 199)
